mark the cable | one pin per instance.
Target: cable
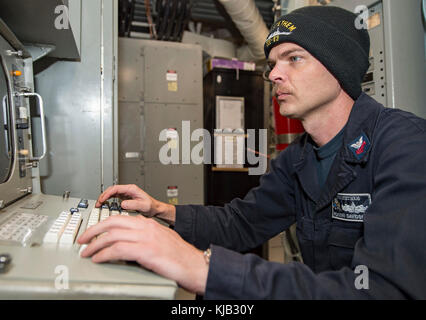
(164, 19)
(179, 20)
(152, 31)
(171, 22)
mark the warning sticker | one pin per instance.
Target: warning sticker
(172, 86)
(172, 77)
(172, 137)
(172, 195)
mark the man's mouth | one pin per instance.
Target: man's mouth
(282, 94)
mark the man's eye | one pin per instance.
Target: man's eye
(295, 58)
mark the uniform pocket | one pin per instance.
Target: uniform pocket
(341, 244)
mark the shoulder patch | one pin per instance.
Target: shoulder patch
(360, 146)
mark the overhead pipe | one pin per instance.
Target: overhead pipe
(248, 20)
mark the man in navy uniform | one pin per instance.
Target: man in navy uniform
(355, 183)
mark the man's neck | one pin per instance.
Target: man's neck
(324, 124)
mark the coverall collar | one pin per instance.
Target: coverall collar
(361, 124)
(362, 120)
(357, 143)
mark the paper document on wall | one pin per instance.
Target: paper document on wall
(230, 114)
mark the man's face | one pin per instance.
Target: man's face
(302, 84)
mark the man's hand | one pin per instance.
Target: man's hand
(150, 244)
(139, 200)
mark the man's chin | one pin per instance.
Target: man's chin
(286, 112)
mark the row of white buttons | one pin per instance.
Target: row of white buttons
(104, 214)
(64, 229)
(56, 230)
(94, 219)
(71, 229)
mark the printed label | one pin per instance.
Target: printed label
(172, 86)
(131, 155)
(350, 207)
(171, 76)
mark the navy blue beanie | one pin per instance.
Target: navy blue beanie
(331, 36)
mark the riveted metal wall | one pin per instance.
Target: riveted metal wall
(79, 106)
(160, 87)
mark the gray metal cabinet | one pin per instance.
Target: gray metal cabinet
(160, 86)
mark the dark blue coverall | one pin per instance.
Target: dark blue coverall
(371, 213)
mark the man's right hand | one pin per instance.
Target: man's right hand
(137, 199)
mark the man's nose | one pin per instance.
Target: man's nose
(278, 74)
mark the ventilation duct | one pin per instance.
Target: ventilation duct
(248, 20)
